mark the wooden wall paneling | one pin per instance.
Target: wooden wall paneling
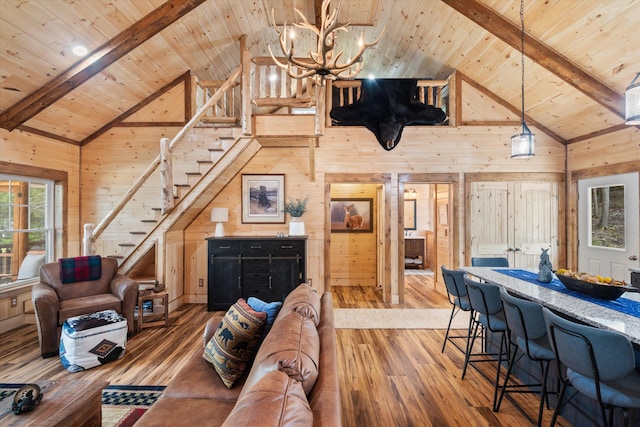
(602, 152)
(174, 272)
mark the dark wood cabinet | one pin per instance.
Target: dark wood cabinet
(414, 255)
(263, 267)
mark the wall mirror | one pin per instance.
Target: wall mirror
(410, 214)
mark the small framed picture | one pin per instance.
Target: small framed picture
(351, 215)
(262, 199)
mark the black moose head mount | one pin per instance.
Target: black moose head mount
(385, 107)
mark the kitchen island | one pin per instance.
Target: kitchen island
(621, 315)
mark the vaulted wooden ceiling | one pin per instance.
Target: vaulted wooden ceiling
(581, 54)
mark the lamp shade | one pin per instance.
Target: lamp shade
(219, 215)
(523, 144)
(632, 102)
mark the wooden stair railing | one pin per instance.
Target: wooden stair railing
(102, 225)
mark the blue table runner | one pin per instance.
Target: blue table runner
(623, 305)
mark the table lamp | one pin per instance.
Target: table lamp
(219, 215)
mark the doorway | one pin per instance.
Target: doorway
(608, 225)
(436, 220)
(357, 254)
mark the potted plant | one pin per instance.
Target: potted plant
(296, 208)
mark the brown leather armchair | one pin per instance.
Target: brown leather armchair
(54, 301)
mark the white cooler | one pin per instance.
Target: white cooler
(92, 339)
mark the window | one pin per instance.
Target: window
(26, 227)
(607, 217)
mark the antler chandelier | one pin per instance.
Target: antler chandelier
(324, 63)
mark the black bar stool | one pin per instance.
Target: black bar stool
(527, 332)
(457, 294)
(599, 364)
(488, 315)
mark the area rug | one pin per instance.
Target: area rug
(122, 406)
(416, 272)
(398, 318)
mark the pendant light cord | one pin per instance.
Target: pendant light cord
(522, 58)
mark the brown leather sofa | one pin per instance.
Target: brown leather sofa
(293, 379)
(54, 301)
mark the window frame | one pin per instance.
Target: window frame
(56, 222)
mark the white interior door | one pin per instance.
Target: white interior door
(608, 229)
(490, 223)
(514, 220)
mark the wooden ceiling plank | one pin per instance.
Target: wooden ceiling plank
(184, 79)
(106, 55)
(515, 110)
(540, 53)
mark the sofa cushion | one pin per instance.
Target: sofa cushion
(276, 400)
(234, 342)
(304, 300)
(87, 305)
(79, 269)
(198, 379)
(186, 411)
(293, 347)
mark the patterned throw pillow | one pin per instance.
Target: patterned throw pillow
(235, 341)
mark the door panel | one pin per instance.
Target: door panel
(609, 248)
(535, 222)
(490, 219)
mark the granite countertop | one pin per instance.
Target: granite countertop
(577, 308)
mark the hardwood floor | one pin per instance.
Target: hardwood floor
(387, 377)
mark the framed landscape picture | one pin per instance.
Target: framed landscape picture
(351, 215)
(262, 199)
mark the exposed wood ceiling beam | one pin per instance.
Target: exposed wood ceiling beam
(542, 54)
(97, 61)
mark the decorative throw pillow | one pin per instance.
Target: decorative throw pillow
(271, 308)
(235, 341)
(80, 269)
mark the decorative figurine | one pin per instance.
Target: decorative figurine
(544, 268)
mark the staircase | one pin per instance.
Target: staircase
(205, 171)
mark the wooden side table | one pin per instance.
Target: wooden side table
(142, 323)
(65, 402)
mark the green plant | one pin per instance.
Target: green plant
(296, 207)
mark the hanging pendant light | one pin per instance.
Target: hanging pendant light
(632, 102)
(523, 144)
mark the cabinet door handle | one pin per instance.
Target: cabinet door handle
(240, 283)
(225, 247)
(287, 246)
(269, 282)
(256, 247)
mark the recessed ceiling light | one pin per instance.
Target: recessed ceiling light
(79, 50)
